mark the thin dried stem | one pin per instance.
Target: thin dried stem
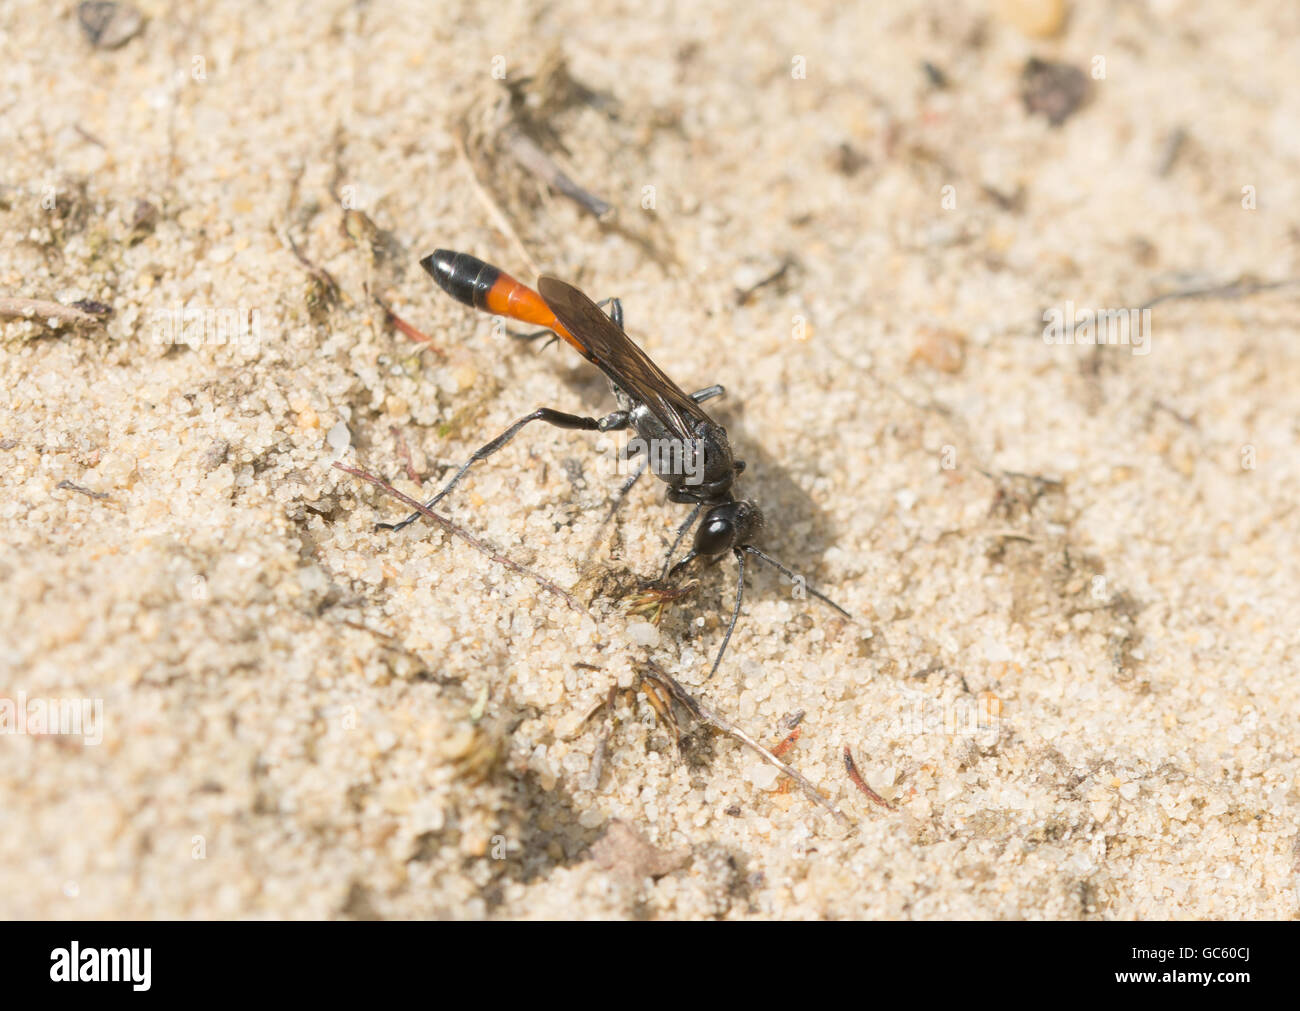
(706, 715)
(43, 311)
(465, 535)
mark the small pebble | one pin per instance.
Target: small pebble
(339, 438)
(643, 633)
(940, 349)
(762, 775)
(1054, 90)
(109, 25)
(1039, 19)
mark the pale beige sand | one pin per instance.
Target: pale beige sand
(301, 717)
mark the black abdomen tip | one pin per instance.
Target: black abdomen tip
(465, 278)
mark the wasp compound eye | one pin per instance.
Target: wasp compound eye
(716, 534)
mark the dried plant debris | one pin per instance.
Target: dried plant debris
(54, 314)
(94, 308)
(476, 750)
(1052, 89)
(851, 767)
(847, 160)
(69, 486)
(109, 25)
(528, 153)
(934, 75)
(521, 125)
(774, 276)
(144, 219)
(1016, 494)
(323, 292)
(652, 674)
(398, 323)
(465, 535)
(653, 599)
(382, 245)
(791, 723)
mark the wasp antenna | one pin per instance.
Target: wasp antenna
(792, 576)
(735, 611)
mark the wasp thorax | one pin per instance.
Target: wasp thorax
(710, 469)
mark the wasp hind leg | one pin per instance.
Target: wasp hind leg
(610, 422)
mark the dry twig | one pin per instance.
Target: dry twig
(47, 312)
(704, 714)
(481, 546)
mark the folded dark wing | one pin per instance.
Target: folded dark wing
(613, 352)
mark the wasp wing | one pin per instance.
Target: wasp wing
(611, 350)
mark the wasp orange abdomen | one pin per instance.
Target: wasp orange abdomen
(482, 286)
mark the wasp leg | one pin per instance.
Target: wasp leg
(627, 487)
(669, 567)
(610, 422)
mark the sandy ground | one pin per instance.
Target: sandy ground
(1073, 569)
